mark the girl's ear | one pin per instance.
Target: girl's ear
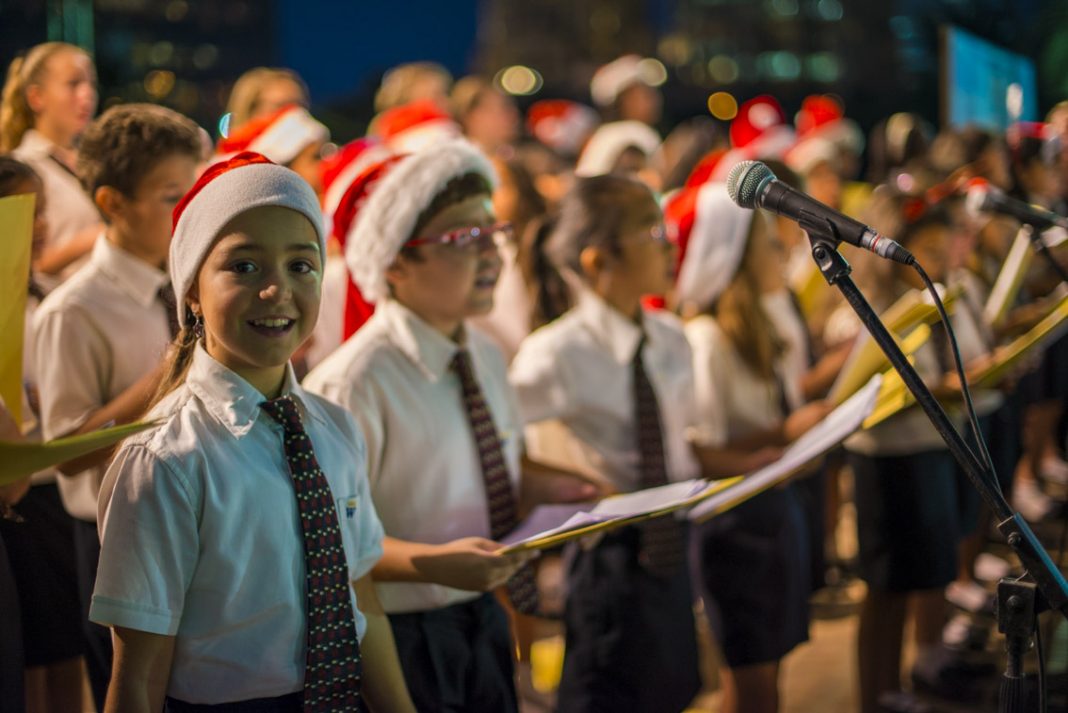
(593, 261)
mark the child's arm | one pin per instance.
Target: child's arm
(140, 672)
(56, 257)
(543, 483)
(469, 563)
(383, 681)
(728, 461)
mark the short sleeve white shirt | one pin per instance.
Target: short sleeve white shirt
(201, 538)
(733, 401)
(95, 336)
(423, 465)
(578, 371)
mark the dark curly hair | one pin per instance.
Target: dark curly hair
(123, 145)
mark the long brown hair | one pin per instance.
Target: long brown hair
(16, 117)
(179, 357)
(740, 313)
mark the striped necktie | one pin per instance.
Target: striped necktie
(333, 667)
(522, 587)
(662, 550)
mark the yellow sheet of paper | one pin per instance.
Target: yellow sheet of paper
(809, 287)
(869, 360)
(16, 231)
(1008, 356)
(18, 460)
(1009, 279)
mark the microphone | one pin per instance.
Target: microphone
(751, 184)
(984, 198)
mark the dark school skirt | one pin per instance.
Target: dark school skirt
(631, 642)
(907, 520)
(41, 551)
(754, 573)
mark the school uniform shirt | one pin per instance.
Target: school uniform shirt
(792, 330)
(201, 537)
(69, 209)
(733, 401)
(330, 327)
(578, 371)
(394, 376)
(95, 336)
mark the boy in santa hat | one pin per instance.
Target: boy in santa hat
(444, 437)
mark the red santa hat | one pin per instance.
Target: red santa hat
(340, 170)
(561, 125)
(412, 127)
(388, 207)
(758, 131)
(822, 132)
(224, 191)
(279, 136)
(610, 140)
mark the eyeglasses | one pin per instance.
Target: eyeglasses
(480, 237)
(661, 234)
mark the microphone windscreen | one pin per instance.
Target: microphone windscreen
(744, 182)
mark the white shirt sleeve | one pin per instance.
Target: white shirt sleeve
(710, 423)
(538, 379)
(149, 545)
(362, 521)
(72, 359)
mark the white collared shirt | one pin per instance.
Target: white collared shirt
(95, 336)
(201, 537)
(69, 209)
(577, 372)
(426, 477)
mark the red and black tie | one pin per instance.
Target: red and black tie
(662, 549)
(333, 671)
(522, 587)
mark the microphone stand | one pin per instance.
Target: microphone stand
(1042, 249)
(1018, 602)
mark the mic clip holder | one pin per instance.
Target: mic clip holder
(836, 270)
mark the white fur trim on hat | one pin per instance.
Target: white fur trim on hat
(343, 180)
(773, 144)
(809, 153)
(387, 219)
(224, 198)
(609, 141)
(613, 78)
(717, 243)
(287, 136)
(423, 135)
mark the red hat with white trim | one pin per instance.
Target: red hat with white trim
(758, 131)
(342, 168)
(561, 125)
(412, 127)
(280, 136)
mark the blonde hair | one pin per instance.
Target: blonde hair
(16, 117)
(245, 94)
(397, 83)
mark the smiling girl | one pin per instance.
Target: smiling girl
(238, 535)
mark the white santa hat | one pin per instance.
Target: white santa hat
(617, 76)
(716, 244)
(280, 136)
(224, 191)
(387, 218)
(561, 125)
(610, 140)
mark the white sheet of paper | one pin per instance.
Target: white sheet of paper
(547, 520)
(831, 431)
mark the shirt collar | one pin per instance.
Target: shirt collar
(234, 402)
(34, 142)
(426, 347)
(130, 274)
(621, 335)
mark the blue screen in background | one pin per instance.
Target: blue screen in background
(978, 80)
